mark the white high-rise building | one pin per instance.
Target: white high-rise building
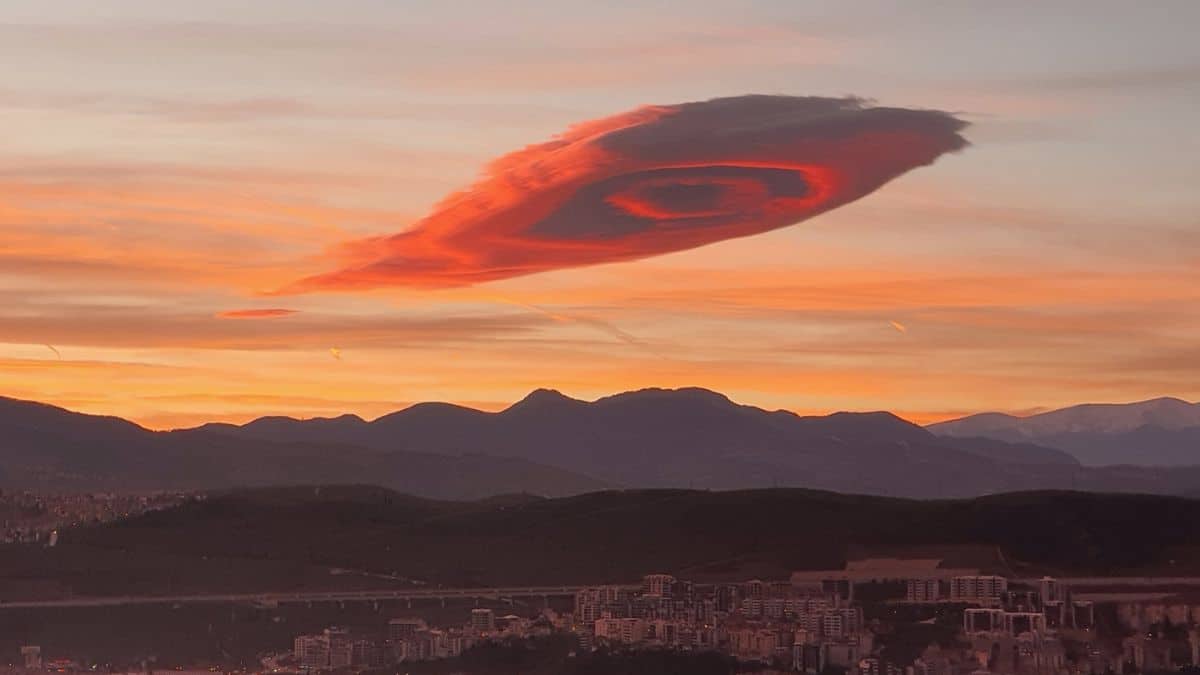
(404, 628)
(333, 648)
(341, 647)
(1050, 590)
(31, 656)
(483, 620)
(923, 590)
(311, 652)
(982, 589)
(658, 585)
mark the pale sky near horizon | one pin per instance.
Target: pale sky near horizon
(165, 162)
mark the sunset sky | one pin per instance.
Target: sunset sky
(167, 166)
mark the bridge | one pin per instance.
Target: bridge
(1104, 582)
(493, 593)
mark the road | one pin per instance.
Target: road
(325, 596)
(482, 593)
(1117, 581)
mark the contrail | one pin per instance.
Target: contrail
(603, 326)
(899, 326)
(56, 352)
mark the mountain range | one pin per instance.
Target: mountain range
(550, 444)
(46, 447)
(1158, 432)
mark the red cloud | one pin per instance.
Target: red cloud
(270, 313)
(651, 181)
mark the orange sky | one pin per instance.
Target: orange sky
(162, 171)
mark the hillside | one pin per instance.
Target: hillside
(1158, 432)
(597, 537)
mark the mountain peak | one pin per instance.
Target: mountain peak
(543, 393)
(1158, 431)
(1167, 402)
(1165, 411)
(541, 399)
(37, 414)
(692, 394)
(877, 424)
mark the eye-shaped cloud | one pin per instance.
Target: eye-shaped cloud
(651, 181)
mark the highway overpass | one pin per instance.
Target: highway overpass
(497, 593)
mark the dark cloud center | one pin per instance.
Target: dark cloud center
(662, 198)
(686, 197)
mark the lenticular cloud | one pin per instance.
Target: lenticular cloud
(651, 181)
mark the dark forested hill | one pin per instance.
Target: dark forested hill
(610, 536)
